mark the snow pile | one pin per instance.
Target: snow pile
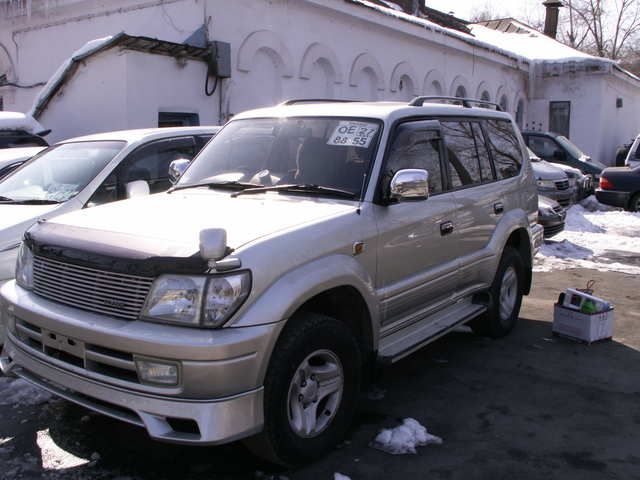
(595, 237)
(19, 121)
(21, 392)
(404, 438)
(58, 77)
(54, 457)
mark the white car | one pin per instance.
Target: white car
(12, 158)
(85, 172)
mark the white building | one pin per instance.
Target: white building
(283, 49)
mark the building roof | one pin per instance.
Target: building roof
(122, 40)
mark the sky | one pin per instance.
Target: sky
(521, 9)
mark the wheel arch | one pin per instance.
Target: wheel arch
(520, 241)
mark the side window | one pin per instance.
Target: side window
(542, 146)
(505, 147)
(151, 162)
(107, 192)
(483, 154)
(462, 155)
(416, 145)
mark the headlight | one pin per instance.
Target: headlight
(546, 184)
(196, 301)
(24, 267)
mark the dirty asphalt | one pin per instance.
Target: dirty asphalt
(530, 406)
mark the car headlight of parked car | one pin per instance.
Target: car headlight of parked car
(197, 301)
(24, 267)
(546, 184)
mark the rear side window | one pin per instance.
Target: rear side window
(467, 154)
(416, 145)
(505, 147)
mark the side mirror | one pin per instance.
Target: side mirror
(410, 184)
(177, 168)
(137, 188)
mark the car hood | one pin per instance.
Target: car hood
(545, 171)
(169, 224)
(15, 219)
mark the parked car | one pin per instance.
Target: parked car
(581, 184)
(633, 156)
(18, 130)
(559, 149)
(88, 171)
(620, 187)
(552, 181)
(551, 216)
(305, 243)
(12, 158)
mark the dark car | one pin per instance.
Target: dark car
(551, 216)
(21, 139)
(620, 187)
(556, 148)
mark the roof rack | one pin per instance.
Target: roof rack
(295, 101)
(465, 102)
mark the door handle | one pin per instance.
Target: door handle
(498, 207)
(446, 228)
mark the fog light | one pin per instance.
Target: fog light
(159, 373)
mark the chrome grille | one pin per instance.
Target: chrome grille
(115, 294)
(562, 185)
(558, 209)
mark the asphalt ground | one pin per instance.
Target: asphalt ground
(529, 406)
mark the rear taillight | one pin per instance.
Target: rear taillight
(605, 184)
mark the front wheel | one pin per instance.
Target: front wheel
(310, 390)
(505, 297)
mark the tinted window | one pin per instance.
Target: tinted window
(483, 154)
(151, 162)
(415, 146)
(462, 154)
(505, 148)
(544, 147)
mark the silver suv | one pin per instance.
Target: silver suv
(305, 244)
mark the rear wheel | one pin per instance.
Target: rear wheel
(310, 391)
(505, 297)
(634, 203)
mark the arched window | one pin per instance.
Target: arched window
(520, 114)
(485, 97)
(504, 103)
(461, 92)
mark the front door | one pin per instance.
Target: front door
(417, 264)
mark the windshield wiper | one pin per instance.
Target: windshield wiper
(301, 188)
(230, 184)
(33, 201)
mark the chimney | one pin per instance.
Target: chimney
(551, 18)
(412, 7)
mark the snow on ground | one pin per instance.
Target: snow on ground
(404, 438)
(18, 391)
(596, 237)
(54, 457)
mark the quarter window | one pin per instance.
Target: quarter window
(416, 146)
(505, 147)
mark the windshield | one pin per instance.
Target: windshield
(59, 173)
(321, 151)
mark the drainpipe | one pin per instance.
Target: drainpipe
(551, 18)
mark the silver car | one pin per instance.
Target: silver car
(304, 244)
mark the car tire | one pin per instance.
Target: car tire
(303, 418)
(505, 298)
(634, 203)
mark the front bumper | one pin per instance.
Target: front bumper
(613, 197)
(90, 359)
(563, 197)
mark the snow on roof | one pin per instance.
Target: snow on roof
(65, 70)
(19, 121)
(529, 44)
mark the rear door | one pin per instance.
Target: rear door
(417, 261)
(472, 177)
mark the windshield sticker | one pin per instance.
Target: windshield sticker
(355, 134)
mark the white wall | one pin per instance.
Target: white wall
(280, 49)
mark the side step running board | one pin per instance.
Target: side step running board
(408, 340)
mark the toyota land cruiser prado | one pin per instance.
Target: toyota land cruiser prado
(305, 243)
